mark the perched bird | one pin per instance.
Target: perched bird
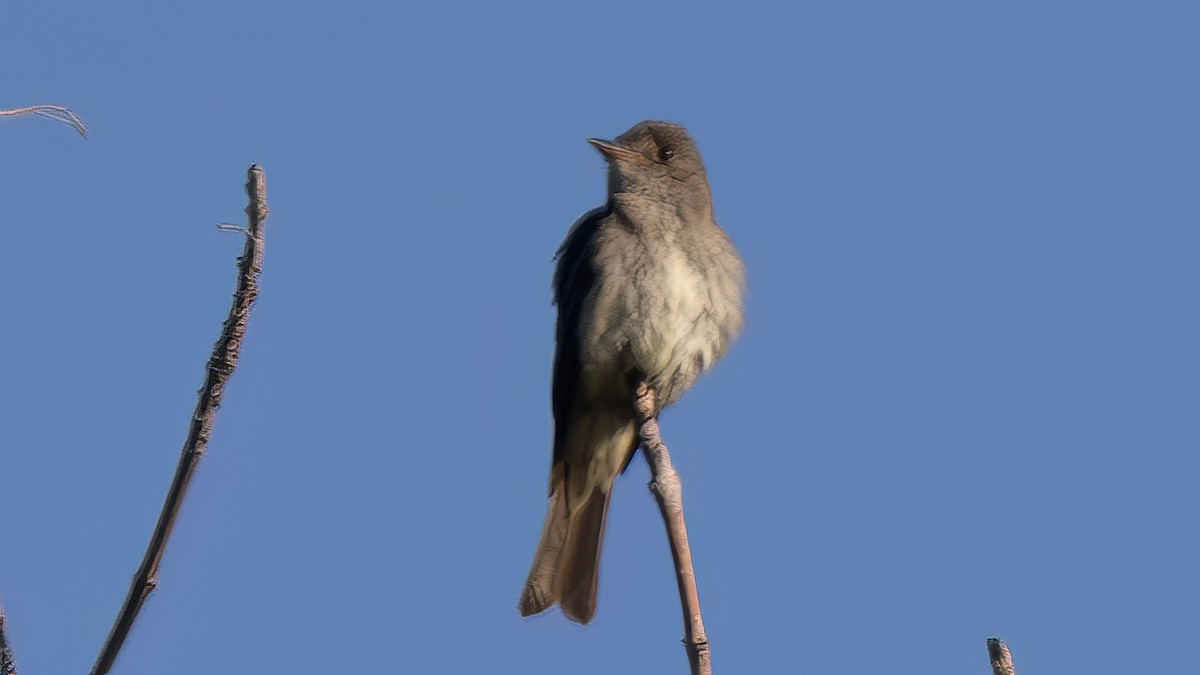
(649, 289)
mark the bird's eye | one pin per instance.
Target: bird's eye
(666, 152)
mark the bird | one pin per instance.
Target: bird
(649, 290)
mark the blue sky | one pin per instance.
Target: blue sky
(966, 402)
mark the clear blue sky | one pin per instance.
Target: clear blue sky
(966, 402)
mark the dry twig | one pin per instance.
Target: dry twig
(668, 492)
(7, 665)
(57, 113)
(1000, 657)
(220, 366)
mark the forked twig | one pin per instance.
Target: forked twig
(668, 492)
(8, 666)
(1000, 657)
(220, 366)
(57, 113)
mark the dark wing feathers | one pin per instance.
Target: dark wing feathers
(573, 279)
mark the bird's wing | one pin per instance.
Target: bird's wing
(573, 280)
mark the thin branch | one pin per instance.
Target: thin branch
(8, 666)
(668, 492)
(57, 113)
(1000, 657)
(220, 366)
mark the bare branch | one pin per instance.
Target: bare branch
(220, 366)
(57, 113)
(668, 492)
(8, 666)
(1000, 657)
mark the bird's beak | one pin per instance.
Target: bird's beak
(613, 152)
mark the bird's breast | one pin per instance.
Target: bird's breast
(681, 321)
(671, 329)
(666, 303)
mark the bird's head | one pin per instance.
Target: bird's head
(655, 159)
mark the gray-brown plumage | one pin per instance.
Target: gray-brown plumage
(649, 288)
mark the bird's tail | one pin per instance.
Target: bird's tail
(567, 564)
